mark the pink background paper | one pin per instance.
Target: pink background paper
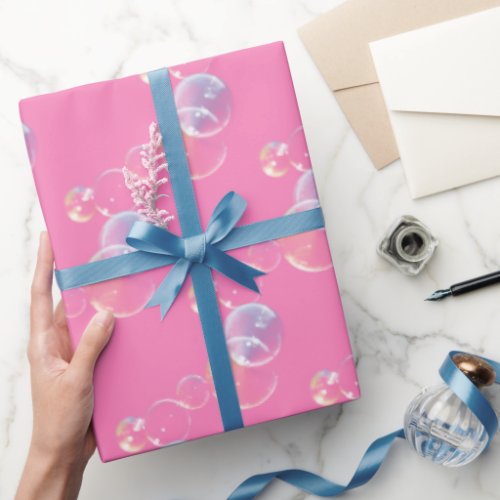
(77, 134)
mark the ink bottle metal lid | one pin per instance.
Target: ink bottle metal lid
(408, 245)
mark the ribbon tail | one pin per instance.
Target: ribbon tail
(232, 268)
(317, 485)
(170, 287)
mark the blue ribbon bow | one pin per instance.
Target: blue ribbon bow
(197, 249)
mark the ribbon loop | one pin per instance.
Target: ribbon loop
(226, 214)
(152, 239)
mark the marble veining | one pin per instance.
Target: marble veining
(399, 340)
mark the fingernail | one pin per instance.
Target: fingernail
(104, 318)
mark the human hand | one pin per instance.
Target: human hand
(62, 391)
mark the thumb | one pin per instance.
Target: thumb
(94, 339)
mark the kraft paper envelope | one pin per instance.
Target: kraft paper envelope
(338, 43)
(442, 87)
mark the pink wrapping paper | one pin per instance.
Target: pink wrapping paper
(242, 132)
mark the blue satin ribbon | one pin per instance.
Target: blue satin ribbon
(195, 252)
(378, 450)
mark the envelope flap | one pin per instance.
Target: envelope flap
(451, 67)
(338, 41)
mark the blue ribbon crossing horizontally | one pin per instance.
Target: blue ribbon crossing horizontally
(376, 453)
(195, 252)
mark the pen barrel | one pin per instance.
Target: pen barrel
(475, 283)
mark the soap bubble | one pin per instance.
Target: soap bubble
(205, 156)
(193, 304)
(297, 150)
(75, 302)
(325, 388)
(254, 385)
(117, 227)
(265, 256)
(79, 203)
(253, 334)
(274, 159)
(111, 194)
(348, 382)
(203, 105)
(122, 296)
(30, 140)
(193, 392)
(232, 294)
(307, 251)
(194, 67)
(305, 189)
(131, 434)
(133, 161)
(167, 422)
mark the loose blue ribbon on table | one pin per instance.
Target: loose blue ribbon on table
(196, 252)
(376, 453)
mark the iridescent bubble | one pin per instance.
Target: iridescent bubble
(131, 434)
(297, 150)
(307, 251)
(232, 295)
(111, 194)
(75, 302)
(79, 203)
(133, 161)
(325, 388)
(30, 140)
(167, 422)
(205, 156)
(193, 392)
(203, 104)
(348, 382)
(194, 67)
(274, 159)
(305, 189)
(265, 256)
(122, 296)
(117, 227)
(253, 334)
(193, 304)
(254, 385)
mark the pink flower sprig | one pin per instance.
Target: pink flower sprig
(144, 189)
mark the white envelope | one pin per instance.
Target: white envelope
(441, 85)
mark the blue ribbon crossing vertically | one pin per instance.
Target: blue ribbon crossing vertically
(196, 252)
(187, 211)
(376, 453)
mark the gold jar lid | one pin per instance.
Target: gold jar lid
(475, 368)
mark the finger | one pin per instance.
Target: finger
(41, 287)
(61, 341)
(91, 344)
(60, 316)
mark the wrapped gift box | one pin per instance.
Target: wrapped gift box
(99, 166)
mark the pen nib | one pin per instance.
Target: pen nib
(439, 294)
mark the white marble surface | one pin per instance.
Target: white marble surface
(399, 340)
